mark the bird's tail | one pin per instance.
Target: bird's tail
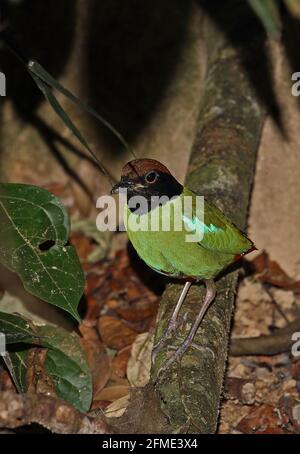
(239, 256)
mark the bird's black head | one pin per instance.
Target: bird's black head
(148, 178)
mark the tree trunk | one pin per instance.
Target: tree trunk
(221, 168)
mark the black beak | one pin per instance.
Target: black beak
(117, 188)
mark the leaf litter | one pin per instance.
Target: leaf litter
(267, 300)
(122, 309)
(261, 393)
(120, 312)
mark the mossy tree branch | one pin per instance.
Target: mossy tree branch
(221, 167)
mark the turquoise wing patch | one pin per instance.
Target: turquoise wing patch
(217, 232)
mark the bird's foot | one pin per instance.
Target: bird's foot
(179, 352)
(163, 340)
(173, 325)
(209, 297)
(203, 348)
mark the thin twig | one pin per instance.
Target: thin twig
(278, 342)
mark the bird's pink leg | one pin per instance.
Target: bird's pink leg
(209, 297)
(173, 323)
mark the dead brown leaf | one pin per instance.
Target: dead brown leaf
(98, 361)
(115, 333)
(296, 370)
(56, 188)
(290, 411)
(114, 283)
(118, 407)
(134, 311)
(100, 404)
(120, 361)
(241, 389)
(112, 393)
(92, 311)
(270, 272)
(82, 244)
(263, 419)
(37, 379)
(139, 364)
(6, 383)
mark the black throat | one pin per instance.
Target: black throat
(153, 195)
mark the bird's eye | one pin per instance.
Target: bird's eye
(151, 177)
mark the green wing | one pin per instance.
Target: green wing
(220, 234)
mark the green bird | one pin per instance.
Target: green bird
(191, 244)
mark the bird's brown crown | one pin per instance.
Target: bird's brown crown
(140, 167)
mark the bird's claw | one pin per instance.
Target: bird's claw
(179, 353)
(205, 348)
(163, 340)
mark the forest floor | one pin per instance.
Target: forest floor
(261, 393)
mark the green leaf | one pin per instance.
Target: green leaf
(46, 84)
(268, 13)
(16, 364)
(67, 366)
(15, 329)
(46, 90)
(34, 231)
(37, 70)
(65, 361)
